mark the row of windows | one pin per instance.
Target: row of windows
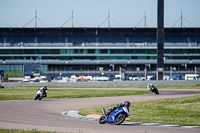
(182, 51)
(108, 51)
(93, 38)
(46, 68)
(19, 68)
(97, 57)
(43, 68)
(97, 51)
(12, 68)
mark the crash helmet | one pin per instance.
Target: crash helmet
(150, 85)
(41, 89)
(127, 104)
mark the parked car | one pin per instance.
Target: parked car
(166, 77)
(25, 80)
(60, 79)
(100, 78)
(191, 76)
(177, 77)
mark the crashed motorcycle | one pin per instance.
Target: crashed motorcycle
(152, 88)
(115, 115)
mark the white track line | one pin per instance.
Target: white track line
(75, 114)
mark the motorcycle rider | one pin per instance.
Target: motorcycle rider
(45, 91)
(150, 87)
(126, 104)
(39, 93)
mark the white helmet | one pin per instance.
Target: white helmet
(149, 87)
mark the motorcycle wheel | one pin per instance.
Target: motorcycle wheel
(119, 119)
(36, 97)
(102, 120)
(156, 92)
(40, 98)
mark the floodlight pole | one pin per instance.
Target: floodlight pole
(160, 40)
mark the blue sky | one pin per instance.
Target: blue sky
(91, 13)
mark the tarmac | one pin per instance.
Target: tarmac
(46, 115)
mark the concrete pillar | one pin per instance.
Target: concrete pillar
(160, 40)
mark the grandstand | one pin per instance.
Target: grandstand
(97, 50)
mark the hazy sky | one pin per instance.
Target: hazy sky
(91, 13)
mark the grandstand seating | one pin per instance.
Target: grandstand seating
(96, 38)
(103, 41)
(97, 46)
(143, 44)
(18, 61)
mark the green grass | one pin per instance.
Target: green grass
(23, 131)
(14, 74)
(177, 111)
(21, 93)
(195, 86)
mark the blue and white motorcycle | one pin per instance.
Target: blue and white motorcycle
(115, 115)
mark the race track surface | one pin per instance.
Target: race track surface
(46, 114)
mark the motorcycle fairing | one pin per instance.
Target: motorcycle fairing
(113, 114)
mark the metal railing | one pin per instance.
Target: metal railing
(94, 44)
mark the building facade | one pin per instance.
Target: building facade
(97, 50)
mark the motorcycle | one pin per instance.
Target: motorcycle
(152, 88)
(116, 115)
(40, 94)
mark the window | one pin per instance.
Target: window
(5, 51)
(103, 51)
(91, 51)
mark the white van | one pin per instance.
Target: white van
(191, 76)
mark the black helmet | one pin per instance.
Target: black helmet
(127, 104)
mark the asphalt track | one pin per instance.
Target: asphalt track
(46, 114)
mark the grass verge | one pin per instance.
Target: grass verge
(23, 131)
(178, 111)
(14, 74)
(21, 93)
(194, 86)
